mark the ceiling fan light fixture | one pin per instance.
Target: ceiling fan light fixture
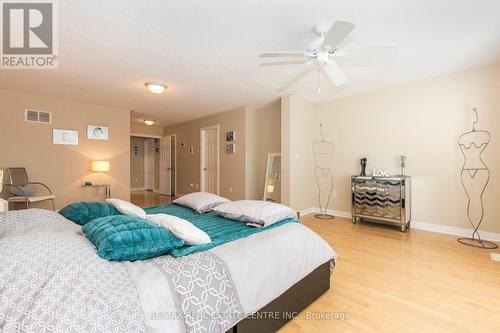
(149, 122)
(156, 87)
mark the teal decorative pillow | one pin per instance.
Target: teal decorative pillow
(84, 212)
(128, 238)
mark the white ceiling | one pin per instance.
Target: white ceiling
(207, 51)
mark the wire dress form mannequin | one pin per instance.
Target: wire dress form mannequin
(323, 158)
(475, 177)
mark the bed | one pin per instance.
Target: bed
(52, 279)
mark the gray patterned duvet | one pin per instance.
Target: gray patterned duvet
(51, 279)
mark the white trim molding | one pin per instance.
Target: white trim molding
(443, 229)
(149, 136)
(135, 189)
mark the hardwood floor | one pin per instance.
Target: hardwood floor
(388, 281)
(149, 198)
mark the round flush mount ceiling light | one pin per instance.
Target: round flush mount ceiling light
(149, 122)
(156, 87)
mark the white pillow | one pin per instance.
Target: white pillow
(257, 213)
(201, 202)
(127, 208)
(181, 228)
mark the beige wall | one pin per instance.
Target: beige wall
(298, 132)
(137, 163)
(139, 129)
(257, 134)
(263, 131)
(64, 168)
(421, 120)
(232, 166)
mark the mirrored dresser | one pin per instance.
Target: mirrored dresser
(382, 199)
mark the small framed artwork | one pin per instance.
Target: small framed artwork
(230, 136)
(191, 150)
(231, 148)
(64, 137)
(97, 132)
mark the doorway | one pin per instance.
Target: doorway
(144, 163)
(209, 159)
(168, 165)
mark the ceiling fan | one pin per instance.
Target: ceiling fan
(324, 55)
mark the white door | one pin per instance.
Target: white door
(149, 164)
(165, 166)
(210, 159)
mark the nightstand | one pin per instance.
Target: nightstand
(104, 188)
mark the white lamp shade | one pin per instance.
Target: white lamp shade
(270, 188)
(100, 166)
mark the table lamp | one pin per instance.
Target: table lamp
(100, 167)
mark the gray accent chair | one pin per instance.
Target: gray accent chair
(22, 190)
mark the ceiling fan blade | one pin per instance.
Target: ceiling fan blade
(368, 57)
(281, 63)
(334, 73)
(282, 54)
(338, 33)
(302, 72)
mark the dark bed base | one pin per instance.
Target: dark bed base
(277, 313)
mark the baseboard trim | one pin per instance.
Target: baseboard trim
(456, 231)
(135, 189)
(442, 229)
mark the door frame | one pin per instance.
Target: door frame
(175, 162)
(202, 156)
(148, 159)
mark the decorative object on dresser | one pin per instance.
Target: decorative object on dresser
(362, 162)
(4, 206)
(475, 176)
(382, 199)
(23, 191)
(323, 159)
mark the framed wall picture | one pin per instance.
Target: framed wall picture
(95, 132)
(230, 136)
(231, 148)
(64, 137)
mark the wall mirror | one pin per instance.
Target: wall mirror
(272, 186)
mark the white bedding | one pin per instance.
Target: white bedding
(92, 292)
(263, 266)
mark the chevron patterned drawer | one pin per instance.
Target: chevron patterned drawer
(381, 199)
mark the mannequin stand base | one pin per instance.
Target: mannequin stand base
(477, 243)
(324, 216)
